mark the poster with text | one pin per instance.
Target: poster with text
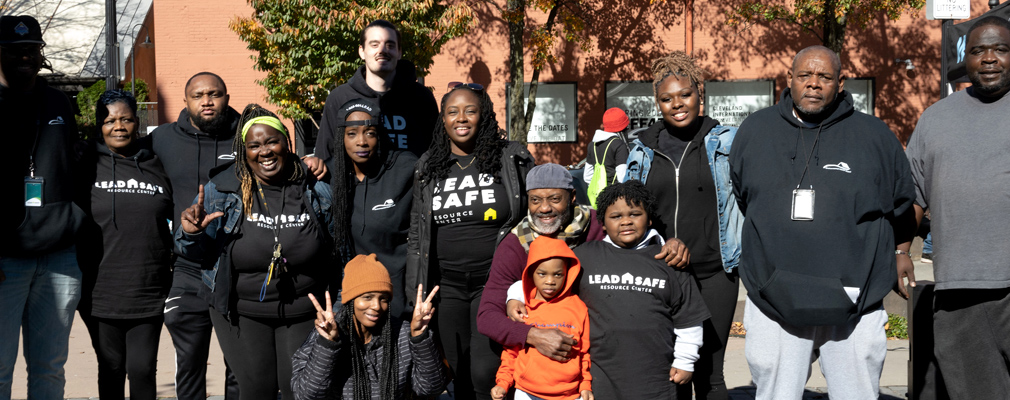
(730, 102)
(555, 118)
(637, 100)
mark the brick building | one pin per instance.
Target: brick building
(194, 36)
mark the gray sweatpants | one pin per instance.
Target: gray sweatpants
(780, 355)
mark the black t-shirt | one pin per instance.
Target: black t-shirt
(468, 209)
(286, 215)
(635, 302)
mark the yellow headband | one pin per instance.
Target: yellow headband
(272, 122)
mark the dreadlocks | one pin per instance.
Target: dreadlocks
(343, 185)
(677, 63)
(390, 356)
(489, 145)
(242, 171)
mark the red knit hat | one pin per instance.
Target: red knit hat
(364, 274)
(615, 120)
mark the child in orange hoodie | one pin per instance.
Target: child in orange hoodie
(550, 273)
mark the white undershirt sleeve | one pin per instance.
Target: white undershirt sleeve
(685, 351)
(516, 293)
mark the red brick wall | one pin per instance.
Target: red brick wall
(193, 36)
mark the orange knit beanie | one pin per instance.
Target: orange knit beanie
(364, 274)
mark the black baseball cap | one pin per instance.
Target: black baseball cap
(15, 29)
(364, 105)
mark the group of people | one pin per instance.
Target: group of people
(419, 246)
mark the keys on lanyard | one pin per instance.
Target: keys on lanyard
(277, 266)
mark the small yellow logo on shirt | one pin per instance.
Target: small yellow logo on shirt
(490, 215)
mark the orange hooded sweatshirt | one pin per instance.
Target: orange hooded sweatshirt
(531, 371)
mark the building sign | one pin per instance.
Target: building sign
(730, 102)
(862, 93)
(637, 100)
(555, 119)
(948, 9)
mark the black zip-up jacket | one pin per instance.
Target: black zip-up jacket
(516, 161)
(321, 369)
(796, 271)
(686, 205)
(409, 110)
(125, 246)
(39, 122)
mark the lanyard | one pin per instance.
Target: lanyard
(809, 154)
(276, 261)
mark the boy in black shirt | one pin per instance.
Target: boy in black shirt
(645, 318)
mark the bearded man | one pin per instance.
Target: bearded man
(553, 212)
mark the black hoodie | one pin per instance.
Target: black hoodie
(125, 247)
(796, 270)
(409, 110)
(39, 123)
(189, 154)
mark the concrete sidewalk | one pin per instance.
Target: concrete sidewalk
(82, 369)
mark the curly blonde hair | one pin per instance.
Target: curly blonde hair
(677, 63)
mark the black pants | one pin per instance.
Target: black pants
(126, 347)
(473, 357)
(259, 351)
(188, 322)
(971, 333)
(719, 290)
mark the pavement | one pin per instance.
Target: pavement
(82, 369)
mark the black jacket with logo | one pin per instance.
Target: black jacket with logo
(125, 247)
(409, 110)
(797, 270)
(39, 122)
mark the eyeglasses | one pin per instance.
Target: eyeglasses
(472, 86)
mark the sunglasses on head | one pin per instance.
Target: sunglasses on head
(472, 86)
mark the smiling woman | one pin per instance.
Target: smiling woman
(469, 191)
(265, 227)
(126, 266)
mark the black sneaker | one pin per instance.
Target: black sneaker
(927, 258)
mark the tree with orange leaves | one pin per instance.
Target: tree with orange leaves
(825, 19)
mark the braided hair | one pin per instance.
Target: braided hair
(677, 63)
(489, 146)
(242, 171)
(390, 357)
(343, 185)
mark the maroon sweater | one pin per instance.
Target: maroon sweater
(506, 269)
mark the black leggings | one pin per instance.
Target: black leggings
(473, 357)
(719, 290)
(126, 347)
(259, 351)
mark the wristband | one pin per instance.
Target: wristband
(899, 252)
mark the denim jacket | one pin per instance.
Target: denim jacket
(215, 242)
(717, 146)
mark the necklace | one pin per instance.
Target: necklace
(461, 167)
(278, 265)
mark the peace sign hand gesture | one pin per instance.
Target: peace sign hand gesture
(195, 219)
(422, 312)
(326, 324)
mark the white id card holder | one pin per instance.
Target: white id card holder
(803, 205)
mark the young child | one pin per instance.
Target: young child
(645, 317)
(547, 290)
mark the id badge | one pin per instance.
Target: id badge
(33, 191)
(803, 205)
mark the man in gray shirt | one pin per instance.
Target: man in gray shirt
(960, 161)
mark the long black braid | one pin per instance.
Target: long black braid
(490, 142)
(242, 171)
(390, 356)
(343, 185)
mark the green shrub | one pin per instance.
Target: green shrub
(897, 326)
